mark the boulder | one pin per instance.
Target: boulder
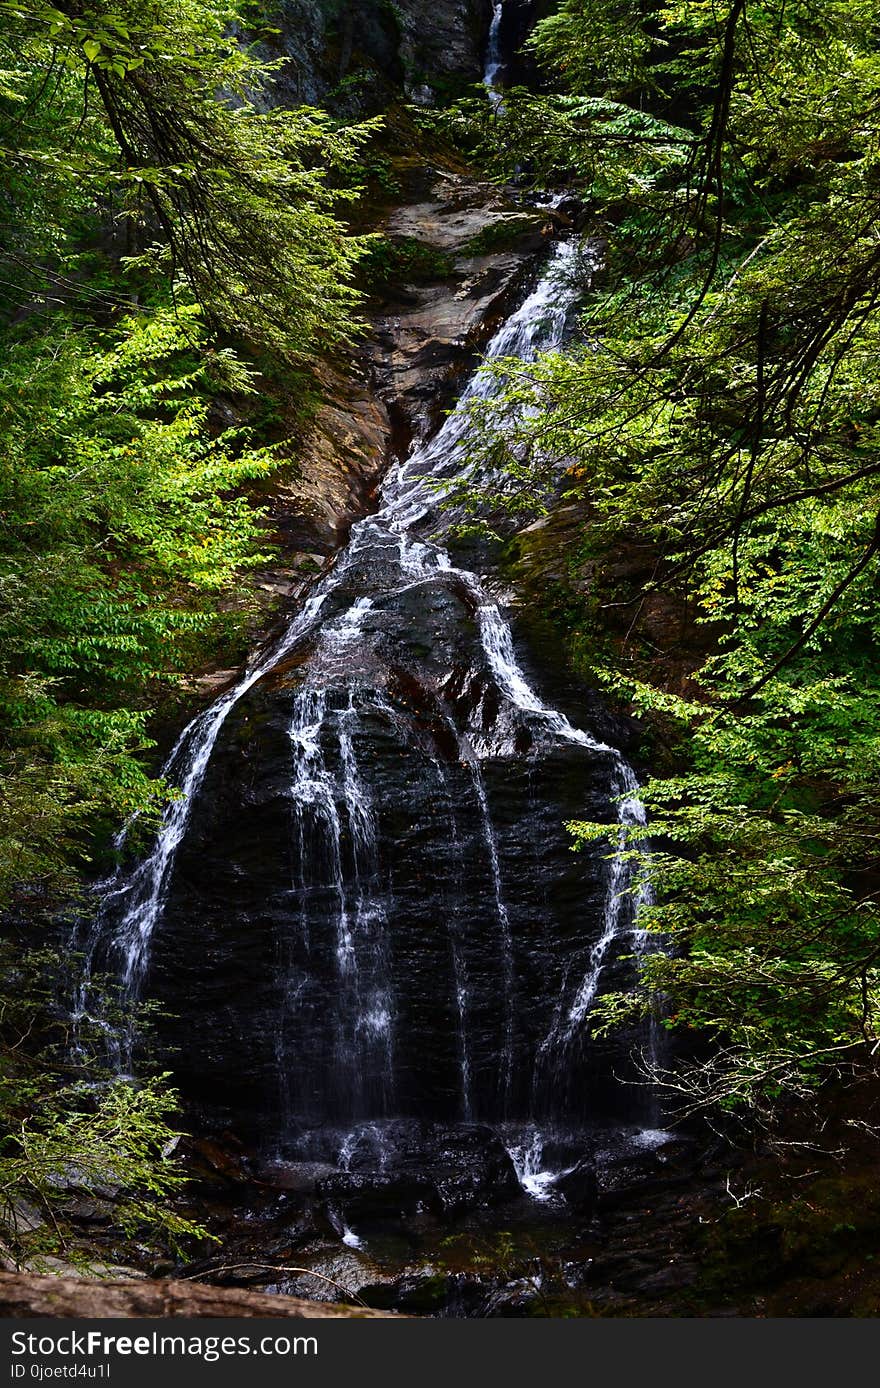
(444, 1169)
(579, 1186)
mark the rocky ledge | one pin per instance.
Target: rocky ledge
(432, 331)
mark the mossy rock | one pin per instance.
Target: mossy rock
(500, 235)
(404, 260)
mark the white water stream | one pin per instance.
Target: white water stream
(493, 56)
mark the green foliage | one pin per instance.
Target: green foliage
(66, 1140)
(122, 513)
(115, 1148)
(598, 47)
(152, 122)
(403, 260)
(609, 150)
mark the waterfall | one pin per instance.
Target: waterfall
(526, 1149)
(404, 660)
(494, 63)
(620, 906)
(505, 940)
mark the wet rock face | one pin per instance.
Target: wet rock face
(579, 1187)
(358, 53)
(358, 57)
(424, 337)
(457, 961)
(424, 340)
(428, 1218)
(442, 45)
(407, 1168)
(518, 19)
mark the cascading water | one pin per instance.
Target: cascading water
(132, 901)
(494, 62)
(619, 915)
(359, 896)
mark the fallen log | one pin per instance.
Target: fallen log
(29, 1294)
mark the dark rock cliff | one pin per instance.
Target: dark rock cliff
(355, 53)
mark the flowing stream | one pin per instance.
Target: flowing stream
(363, 908)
